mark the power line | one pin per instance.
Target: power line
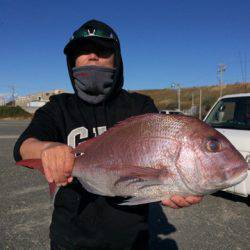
(245, 67)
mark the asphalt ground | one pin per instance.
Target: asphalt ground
(220, 221)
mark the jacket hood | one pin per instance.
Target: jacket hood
(77, 42)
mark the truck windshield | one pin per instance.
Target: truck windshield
(233, 113)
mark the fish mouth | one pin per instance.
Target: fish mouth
(231, 182)
(234, 173)
(234, 176)
(237, 179)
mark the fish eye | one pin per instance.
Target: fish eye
(213, 145)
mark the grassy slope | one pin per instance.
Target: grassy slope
(13, 112)
(167, 98)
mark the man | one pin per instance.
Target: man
(82, 220)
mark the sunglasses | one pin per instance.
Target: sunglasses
(91, 47)
(93, 33)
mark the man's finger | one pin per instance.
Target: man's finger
(49, 163)
(47, 172)
(169, 203)
(70, 179)
(59, 169)
(48, 175)
(194, 199)
(68, 163)
(180, 201)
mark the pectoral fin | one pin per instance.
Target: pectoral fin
(141, 177)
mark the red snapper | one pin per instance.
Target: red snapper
(151, 157)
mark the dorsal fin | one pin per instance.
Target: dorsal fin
(82, 146)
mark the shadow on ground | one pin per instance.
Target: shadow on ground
(233, 197)
(160, 228)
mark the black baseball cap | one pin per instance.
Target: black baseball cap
(92, 31)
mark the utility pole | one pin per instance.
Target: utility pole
(243, 66)
(192, 99)
(2, 102)
(200, 109)
(177, 86)
(13, 94)
(221, 69)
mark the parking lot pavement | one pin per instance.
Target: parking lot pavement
(12, 128)
(218, 222)
(25, 207)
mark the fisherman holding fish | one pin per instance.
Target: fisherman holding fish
(84, 220)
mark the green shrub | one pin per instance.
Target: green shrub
(6, 112)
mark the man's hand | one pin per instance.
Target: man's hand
(58, 162)
(177, 201)
(57, 159)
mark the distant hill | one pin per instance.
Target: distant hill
(167, 98)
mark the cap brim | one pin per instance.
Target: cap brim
(80, 42)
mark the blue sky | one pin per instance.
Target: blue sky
(162, 41)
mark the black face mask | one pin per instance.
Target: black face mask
(93, 83)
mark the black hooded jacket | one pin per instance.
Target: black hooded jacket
(82, 220)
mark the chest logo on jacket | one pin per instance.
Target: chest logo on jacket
(80, 134)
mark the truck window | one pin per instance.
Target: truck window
(231, 113)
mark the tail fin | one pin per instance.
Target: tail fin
(37, 164)
(32, 163)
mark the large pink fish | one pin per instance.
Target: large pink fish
(152, 157)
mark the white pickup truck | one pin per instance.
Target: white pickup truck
(230, 115)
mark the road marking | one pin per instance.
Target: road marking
(9, 136)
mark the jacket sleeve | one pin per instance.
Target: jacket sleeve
(42, 127)
(149, 106)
